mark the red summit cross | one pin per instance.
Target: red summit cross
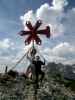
(33, 32)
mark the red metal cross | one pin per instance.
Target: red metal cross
(33, 32)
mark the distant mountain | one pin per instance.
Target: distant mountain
(66, 70)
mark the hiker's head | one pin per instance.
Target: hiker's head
(37, 58)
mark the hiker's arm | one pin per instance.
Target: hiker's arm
(43, 63)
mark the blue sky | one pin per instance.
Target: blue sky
(11, 10)
(60, 14)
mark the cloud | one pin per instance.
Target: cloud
(29, 16)
(48, 15)
(59, 4)
(6, 51)
(56, 54)
(62, 52)
(60, 23)
(54, 16)
(68, 21)
(11, 52)
(63, 49)
(5, 43)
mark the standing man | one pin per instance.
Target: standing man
(38, 64)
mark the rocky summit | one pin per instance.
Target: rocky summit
(54, 86)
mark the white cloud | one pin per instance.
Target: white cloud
(59, 4)
(59, 53)
(5, 43)
(60, 23)
(55, 54)
(48, 15)
(29, 16)
(63, 48)
(68, 22)
(6, 54)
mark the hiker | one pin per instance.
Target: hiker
(38, 64)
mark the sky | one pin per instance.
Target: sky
(58, 14)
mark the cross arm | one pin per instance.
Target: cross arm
(45, 32)
(28, 40)
(37, 25)
(38, 40)
(22, 33)
(29, 25)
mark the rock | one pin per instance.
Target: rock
(17, 87)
